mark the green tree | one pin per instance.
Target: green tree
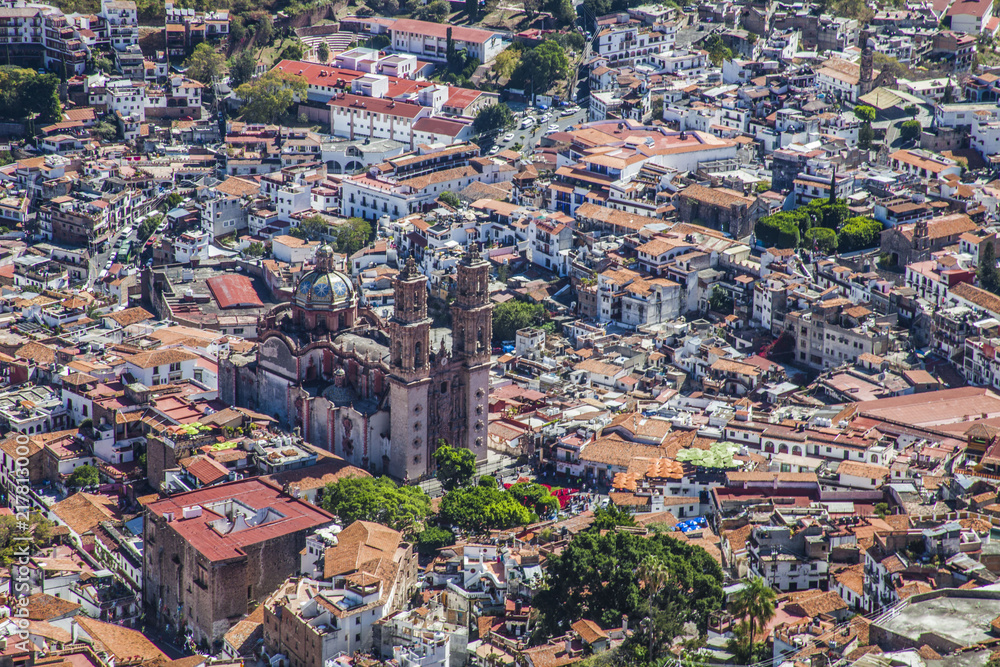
(455, 466)
(450, 198)
(866, 135)
(594, 577)
(237, 30)
(864, 113)
(14, 534)
(24, 93)
(104, 64)
(432, 539)
(506, 62)
(472, 10)
(910, 130)
(720, 301)
(718, 52)
(562, 11)
(490, 122)
(512, 315)
(265, 30)
(84, 476)
(612, 516)
(890, 66)
(780, 230)
(105, 131)
(268, 97)
(823, 239)
(242, 68)
(323, 52)
(205, 64)
(881, 509)
(859, 233)
(312, 228)
(173, 200)
(754, 607)
(541, 66)
(911, 110)
(380, 500)
(293, 51)
(6, 157)
(351, 236)
(482, 508)
(989, 277)
(148, 226)
(437, 11)
(255, 249)
(535, 497)
(949, 93)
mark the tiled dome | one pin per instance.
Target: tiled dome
(323, 288)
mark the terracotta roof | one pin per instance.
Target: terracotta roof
(82, 512)
(715, 196)
(155, 358)
(589, 631)
(130, 316)
(362, 546)
(440, 30)
(977, 296)
(44, 607)
(121, 642)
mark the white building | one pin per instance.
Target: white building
(430, 40)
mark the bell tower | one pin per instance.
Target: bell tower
(409, 375)
(471, 313)
(409, 328)
(472, 334)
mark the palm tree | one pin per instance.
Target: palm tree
(653, 575)
(754, 604)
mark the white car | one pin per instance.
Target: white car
(494, 150)
(107, 266)
(509, 137)
(568, 112)
(553, 127)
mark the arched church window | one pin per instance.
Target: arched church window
(418, 354)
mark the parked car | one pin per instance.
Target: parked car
(508, 137)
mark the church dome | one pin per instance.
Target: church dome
(323, 288)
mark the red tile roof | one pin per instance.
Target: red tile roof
(197, 531)
(440, 30)
(234, 291)
(439, 126)
(376, 105)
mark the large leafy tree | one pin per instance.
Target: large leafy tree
(377, 499)
(352, 236)
(512, 315)
(205, 64)
(84, 476)
(14, 534)
(541, 66)
(268, 97)
(241, 68)
(535, 497)
(25, 93)
(484, 507)
(455, 466)
(595, 578)
(490, 122)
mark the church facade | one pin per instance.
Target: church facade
(382, 395)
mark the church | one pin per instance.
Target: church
(382, 395)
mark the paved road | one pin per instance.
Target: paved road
(528, 138)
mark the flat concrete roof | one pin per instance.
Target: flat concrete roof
(950, 613)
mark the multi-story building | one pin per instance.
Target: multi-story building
(634, 43)
(786, 561)
(122, 22)
(184, 29)
(430, 40)
(549, 242)
(407, 184)
(214, 553)
(835, 332)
